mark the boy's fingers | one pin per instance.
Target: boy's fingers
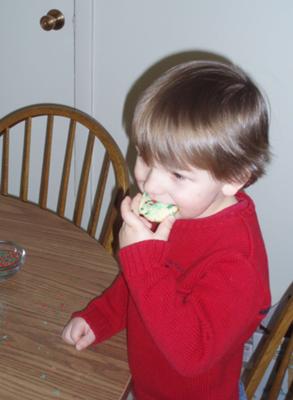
(76, 335)
(125, 207)
(146, 222)
(66, 335)
(135, 208)
(85, 341)
(129, 217)
(135, 203)
(81, 344)
(67, 338)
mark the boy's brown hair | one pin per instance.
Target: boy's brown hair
(207, 115)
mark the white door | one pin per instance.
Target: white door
(36, 65)
(50, 66)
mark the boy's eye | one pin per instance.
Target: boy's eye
(178, 176)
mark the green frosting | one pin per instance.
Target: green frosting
(155, 211)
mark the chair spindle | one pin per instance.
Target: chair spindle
(80, 200)
(99, 196)
(66, 169)
(26, 160)
(276, 387)
(46, 163)
(5, 162)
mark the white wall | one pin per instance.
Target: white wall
(131, 36)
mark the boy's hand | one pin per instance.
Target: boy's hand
(78, 333)
(136, 228)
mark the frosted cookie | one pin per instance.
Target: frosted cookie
(155, 211)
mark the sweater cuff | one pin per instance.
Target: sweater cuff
(143, 257)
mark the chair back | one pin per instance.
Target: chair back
(80, 171)
(276, 344)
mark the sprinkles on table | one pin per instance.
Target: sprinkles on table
(9, 258)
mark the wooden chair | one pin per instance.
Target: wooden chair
(277, 343)
(78, 132)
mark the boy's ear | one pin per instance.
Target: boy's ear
(231, 188)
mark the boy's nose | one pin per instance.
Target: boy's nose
(154, 182)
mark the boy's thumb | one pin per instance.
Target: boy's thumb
(83, 342)
(164, 228)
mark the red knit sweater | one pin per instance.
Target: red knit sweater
(189, 305)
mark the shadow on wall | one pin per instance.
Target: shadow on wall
(147, 78)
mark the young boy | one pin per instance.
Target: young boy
(192, 291)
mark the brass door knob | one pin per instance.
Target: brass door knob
(53, 20)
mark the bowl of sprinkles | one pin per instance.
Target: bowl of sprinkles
(12, 257)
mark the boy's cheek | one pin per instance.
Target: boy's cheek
(139, 180)
(140, 186)
(141, 171)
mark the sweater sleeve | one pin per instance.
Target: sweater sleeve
(106, 314)
(193, 325)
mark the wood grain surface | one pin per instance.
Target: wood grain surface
(64, 269)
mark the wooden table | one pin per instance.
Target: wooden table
(64, 269)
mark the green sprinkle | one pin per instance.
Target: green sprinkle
(56, 392)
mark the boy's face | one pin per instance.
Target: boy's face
(196, 193)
